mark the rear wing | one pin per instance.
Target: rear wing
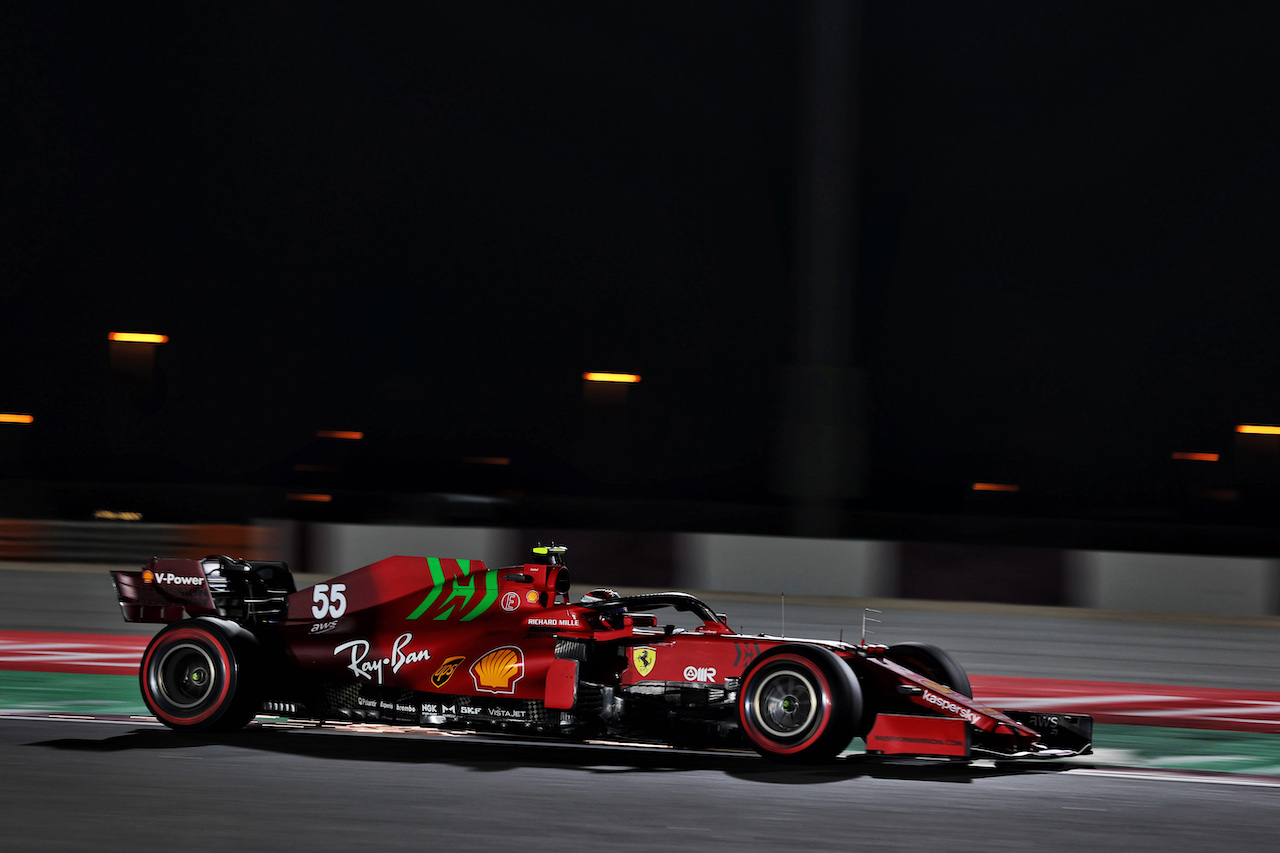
(244, 591)
(164, 591)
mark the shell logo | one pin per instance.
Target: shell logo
(531, 596)
(499, 670)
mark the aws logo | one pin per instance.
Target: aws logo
(446, 670)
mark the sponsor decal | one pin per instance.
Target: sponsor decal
(531, 596)
(571, 622)
(643, 658)
(388, 710)
(1041, 722)
(929, 741)
(499, 670)
(951, 707)
(458, 593)
(171, 579)
(700, 673)
(745, 653)
(323, 627)
(504, 713)
(510, 601)
(473, 708)
(365, 668)
(446, 670)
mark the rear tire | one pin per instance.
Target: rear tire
(202, 675)
(799, 703)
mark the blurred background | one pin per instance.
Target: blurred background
(924, 300)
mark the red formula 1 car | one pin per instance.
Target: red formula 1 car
(422, 641)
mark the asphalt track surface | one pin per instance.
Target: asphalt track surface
(91, 785)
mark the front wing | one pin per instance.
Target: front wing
(1060, 736)
(954, 724)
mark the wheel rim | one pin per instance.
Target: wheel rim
(785, 704)
(185, 675)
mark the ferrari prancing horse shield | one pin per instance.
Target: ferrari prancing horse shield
(643, 658)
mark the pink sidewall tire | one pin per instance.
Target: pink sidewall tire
(200, 675)
(799, 703)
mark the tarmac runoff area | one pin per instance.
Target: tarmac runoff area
(1200, 703)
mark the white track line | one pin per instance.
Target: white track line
(1168, 776)
(66, 719)
(1082, 701)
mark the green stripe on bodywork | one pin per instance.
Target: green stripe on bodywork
(459, 591)
(437, 582)
(490, 596)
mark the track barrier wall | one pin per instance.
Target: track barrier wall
(25, 540)
(1107, 580)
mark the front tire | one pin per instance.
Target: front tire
(200, 675)
(933, 663)
(799, 703)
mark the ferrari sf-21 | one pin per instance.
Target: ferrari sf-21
(454, 644)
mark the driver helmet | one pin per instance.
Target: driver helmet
(612, 616)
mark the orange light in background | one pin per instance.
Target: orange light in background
(995, 487)
(117, 515)
(1197, 457)
(1258, 429)
(628, 378)
(349, 435)
(310, 498)
(138, 338)
(14, 418)
(486, 460)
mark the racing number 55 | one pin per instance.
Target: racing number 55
(329, 601)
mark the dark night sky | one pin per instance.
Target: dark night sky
(425, 222)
